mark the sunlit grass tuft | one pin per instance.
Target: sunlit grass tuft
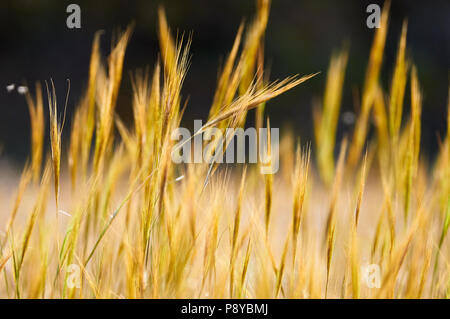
(136, 225)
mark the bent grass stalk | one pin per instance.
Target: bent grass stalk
(212, 230)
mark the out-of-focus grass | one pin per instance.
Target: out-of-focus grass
(139, 226)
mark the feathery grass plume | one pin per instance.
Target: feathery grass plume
(176, 62)
(327, 118)
(398, 257)
(225, 75)
(136, 144)
(241, 78)
(56, 127)
(76, 144)
(412, 153)
(235, 112)
(252, 98)
(39, 208)
(261, 80)
(171, 98)
(242, 75)
(141, 96)
(370, 85)
(233, 115)
(398, 88)
(254, 38)
(168, 49)
(151, 148)
(36, 109)
(86, 113)
(397, 92)
(109, 89)
(153, 113)
(331, 219)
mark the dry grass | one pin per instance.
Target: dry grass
(139, 226)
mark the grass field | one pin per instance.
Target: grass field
(104, 201)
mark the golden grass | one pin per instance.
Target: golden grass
(139, 226)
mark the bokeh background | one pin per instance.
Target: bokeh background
(36, 45)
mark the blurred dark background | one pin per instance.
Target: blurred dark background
(301, 36)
